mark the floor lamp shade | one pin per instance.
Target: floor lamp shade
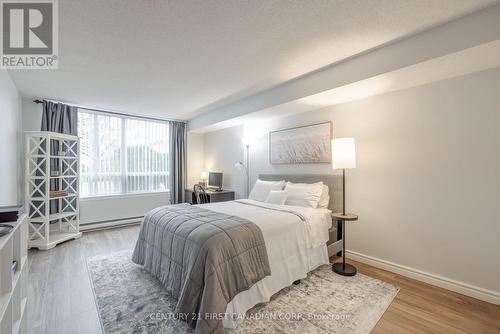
(343, 153)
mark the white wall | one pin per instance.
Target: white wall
(32, 115)
(195, 158)
(31, 120)
(222, 150)
(10, 136)
(427, 186)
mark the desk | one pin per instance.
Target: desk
(213, 196)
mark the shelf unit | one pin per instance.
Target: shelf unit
(14, 285)
(52, 164)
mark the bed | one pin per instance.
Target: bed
(275, 246)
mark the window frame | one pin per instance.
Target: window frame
(123, 156)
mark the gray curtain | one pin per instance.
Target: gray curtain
(177, 161)
(60, 118)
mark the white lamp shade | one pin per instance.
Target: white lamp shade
(203, 175)
(246, 141)
(343, 153)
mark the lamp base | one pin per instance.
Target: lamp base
(347, 270)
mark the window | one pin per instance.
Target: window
(121, 155)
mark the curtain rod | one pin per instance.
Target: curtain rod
(38, 101)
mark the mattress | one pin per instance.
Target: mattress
(294, 247)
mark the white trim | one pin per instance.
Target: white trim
(109, 111)
(123, 195)
(442, 282)
(110, 224)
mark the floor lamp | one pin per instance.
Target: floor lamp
(344, 157)
(246, 166)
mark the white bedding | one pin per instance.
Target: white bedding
(294, 247)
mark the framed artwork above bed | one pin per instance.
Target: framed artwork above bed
(308, 144)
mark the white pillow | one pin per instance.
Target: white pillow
(262, 188)
(304, 194)
(324, 200)
(276, 197)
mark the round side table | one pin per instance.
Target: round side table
(342, 268)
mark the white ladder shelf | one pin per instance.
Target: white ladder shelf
(52, 196)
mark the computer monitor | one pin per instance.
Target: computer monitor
(215, 180)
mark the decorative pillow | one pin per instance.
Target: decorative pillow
(304, 194)
(324, 200)
(276, 197)
(262, 188)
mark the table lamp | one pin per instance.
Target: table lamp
(204, 176)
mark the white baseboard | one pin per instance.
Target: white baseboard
(110, 224)
(442, 282)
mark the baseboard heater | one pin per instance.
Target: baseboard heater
(110, 223)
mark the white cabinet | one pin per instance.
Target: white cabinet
(14, 284)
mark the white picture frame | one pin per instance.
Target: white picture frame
(310, 144)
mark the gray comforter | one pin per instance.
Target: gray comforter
(203, 258)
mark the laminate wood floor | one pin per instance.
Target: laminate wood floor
(60, 296)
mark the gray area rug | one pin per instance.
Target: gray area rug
(129, 300)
